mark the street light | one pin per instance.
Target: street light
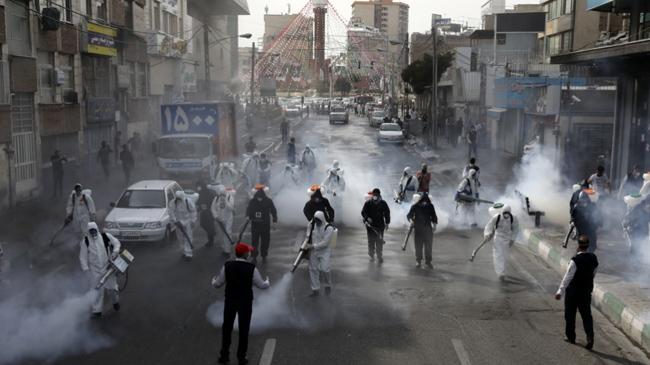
(206, 46)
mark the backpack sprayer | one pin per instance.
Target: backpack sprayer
(117, 266)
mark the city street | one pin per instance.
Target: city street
(395, 313)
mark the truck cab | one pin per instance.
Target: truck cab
(186, 156)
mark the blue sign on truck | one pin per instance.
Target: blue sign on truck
(190, 118)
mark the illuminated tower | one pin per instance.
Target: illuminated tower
(320, 9)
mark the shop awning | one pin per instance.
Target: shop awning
(618, 6)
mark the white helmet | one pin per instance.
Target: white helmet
(180, 194)
(407, 170)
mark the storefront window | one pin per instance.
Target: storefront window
(644, 25)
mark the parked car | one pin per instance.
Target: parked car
(141, 213)
(293, 111)
(390, 132)
(377, 118)
(339, 114)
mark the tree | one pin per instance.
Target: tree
(343, 86)
(419, 73)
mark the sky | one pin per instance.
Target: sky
(419, 13)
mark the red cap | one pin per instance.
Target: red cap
(241, 249)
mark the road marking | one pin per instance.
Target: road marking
(267, 353)
(462, 354)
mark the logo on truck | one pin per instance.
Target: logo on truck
(189, 118)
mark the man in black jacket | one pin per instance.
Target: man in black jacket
(376, 216)
(318, 203)
(424, 219)
(239, 276)
(260, 211)
(577, 285)
(586, 217)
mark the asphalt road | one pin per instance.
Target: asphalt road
(458, 313)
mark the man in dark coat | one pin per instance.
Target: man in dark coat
(239, 276)
(376, 216)
(586, 218)
(318, 203)
(424, 220)
(291, 151)
(57, 172)
(204, 205)
(260, 210)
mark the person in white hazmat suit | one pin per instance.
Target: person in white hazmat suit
(308, 161)
(408, 185)
(503, 227)
(320, 251)
(334, 186)
(182, 214)
(469, 187)
(80, 210)
(223, 211)
(96, 249)
(645, 188)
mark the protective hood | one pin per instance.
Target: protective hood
(407, 170)
(180, 194)
(472, 172)
(93, 225)
(87, 192)
(416, 198)
(320, 216)
(576, 187)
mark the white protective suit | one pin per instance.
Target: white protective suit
(183, 212)
(468, 185)
(408, 184)
(227, 175)
(250, 169)
(223, 210)
(645, 189)
(308, 161)
(290, 179)
(320, 253)
(82, 210)
(334, 186)
(94, 256)
(504, 231)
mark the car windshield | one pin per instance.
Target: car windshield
(186, 147)
(390, 127)
(378, 113)
(142, 199)
(338, 110)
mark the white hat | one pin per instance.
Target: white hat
(416, 198)
(407, 169)
(633, 200)
(576, 187)
(498, 208)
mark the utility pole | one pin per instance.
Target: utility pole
(253, 74)
(434, 88)
(206, 51)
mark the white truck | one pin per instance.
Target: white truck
(195, 138)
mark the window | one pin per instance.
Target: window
(102, 10)
(89, 8)
(46, 76)
(132, 81)
(96, 76)
(165, 21)
(18, 29)
(156, 15)
(68, 11)
(4, 83)
(173, 25)
(141, 79)
(181, 27)
(568, 6)
(66, 65)
(644, 25)
(566, 41)
(558, 43)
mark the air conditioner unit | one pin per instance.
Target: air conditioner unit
(50, 19)
(70, 97)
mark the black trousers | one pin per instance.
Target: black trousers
(260, 232)
(423, 242)
(58, 185)
(375, 242)
(243, 310)
(575, 300)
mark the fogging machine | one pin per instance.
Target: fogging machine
(464, 198)
(303, 253)
(119, 265)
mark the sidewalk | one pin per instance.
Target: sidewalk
(622, 285)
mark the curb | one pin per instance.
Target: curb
(633, 324)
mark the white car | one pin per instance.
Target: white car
(141, 213)
(377, 118)
(390, 132)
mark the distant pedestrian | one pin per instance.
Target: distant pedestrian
(117, 141)
(472, 140)
(250, 146)
(126, 157)
(57, 161)
(79, 211)
(586, 218)
(204, 208)
(291, 151)
(577, 286)
(631, 183)
(264, 170)
(104, 158)
(284, 128)
(239, 276)
(424, 179)
(136, 143)
(600, 182)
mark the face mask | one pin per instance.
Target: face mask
(375, 198)
(318, 222)
(93, 233)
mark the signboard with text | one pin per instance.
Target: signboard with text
(101, 40)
